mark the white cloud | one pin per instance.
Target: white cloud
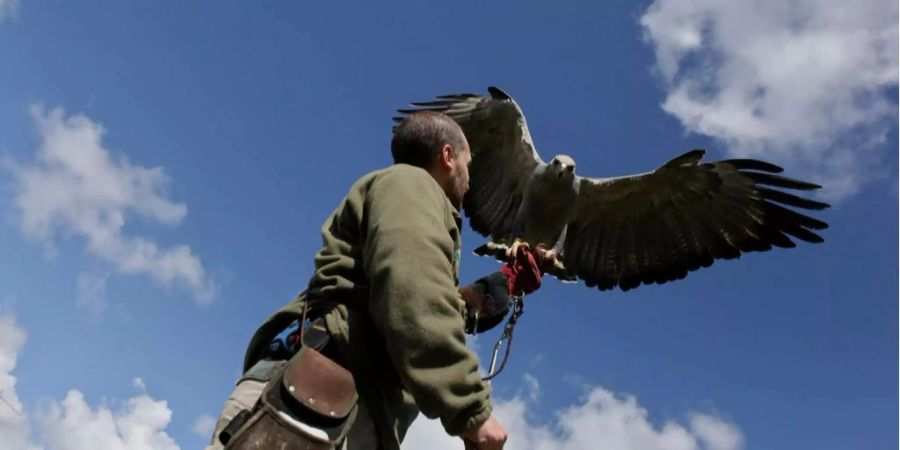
(532, 388)
(8, 8)
(77, 187)
(716, 434)
(800, 82)
(204, 425)
(429, 434)
(72, 424)
(602, 420)
(139, 384)
(91, 292)
(14, 430)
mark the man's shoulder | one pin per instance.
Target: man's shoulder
(400, 176)
(403, 171)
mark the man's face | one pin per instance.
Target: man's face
(459, 175)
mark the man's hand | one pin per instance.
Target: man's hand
(490, 435)
(487, 302)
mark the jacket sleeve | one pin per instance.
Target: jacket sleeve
(414, 301)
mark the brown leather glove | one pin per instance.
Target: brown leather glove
(487, 302)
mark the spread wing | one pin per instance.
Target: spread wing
(658, 226)
(503, 156)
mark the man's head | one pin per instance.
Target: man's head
(435, 142)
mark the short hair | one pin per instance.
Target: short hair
(421, 135)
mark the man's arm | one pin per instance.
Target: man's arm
(414, 300)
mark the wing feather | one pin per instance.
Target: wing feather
(658, 226)
(503, 156)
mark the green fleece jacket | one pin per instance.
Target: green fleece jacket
(386, 279)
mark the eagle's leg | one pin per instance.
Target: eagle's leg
(554, 257)
(547, 255)
(514, 248)
(551, 260)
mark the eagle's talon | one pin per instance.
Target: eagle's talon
(513, 249)
(548, 257)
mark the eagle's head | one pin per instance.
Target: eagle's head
(562, 166)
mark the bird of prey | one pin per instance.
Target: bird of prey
(647, 228)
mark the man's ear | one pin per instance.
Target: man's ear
(446, 156)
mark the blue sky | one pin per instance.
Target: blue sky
(166, 168)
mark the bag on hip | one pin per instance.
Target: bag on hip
(310, 403)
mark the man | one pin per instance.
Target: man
(385, 285)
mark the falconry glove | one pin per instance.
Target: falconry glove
(487, 302)
(488, 298)
(523, 272)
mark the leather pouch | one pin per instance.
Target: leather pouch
(310, 404)
(320, 384)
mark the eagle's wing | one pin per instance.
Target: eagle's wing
(657, 226)
(503, 156)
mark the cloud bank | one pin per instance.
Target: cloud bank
(602, 420)
(76, 187)
(73, 424)
(14, 430)
(802, 82)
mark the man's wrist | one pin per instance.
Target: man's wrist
(476, 420)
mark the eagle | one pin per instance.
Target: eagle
(652, 227)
